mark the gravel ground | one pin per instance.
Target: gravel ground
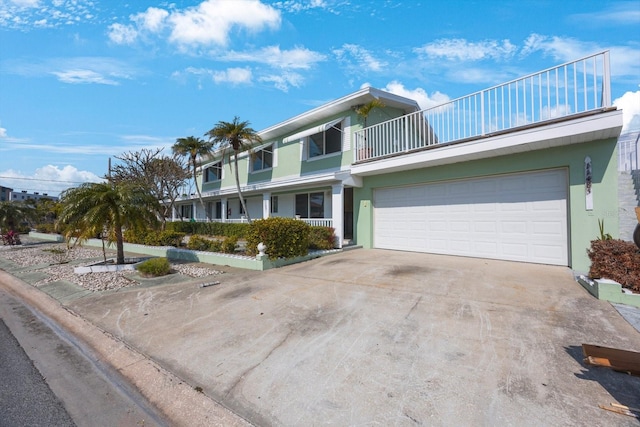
(56, 259)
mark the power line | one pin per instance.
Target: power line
(43, 180)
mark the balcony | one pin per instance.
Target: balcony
(567, 91)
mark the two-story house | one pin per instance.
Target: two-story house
(521, 171)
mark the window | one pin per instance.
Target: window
(213, 173)
(262, 159)
(310, 205)
(274, 204)
(218, 210)
(327, 142)
(185, 211)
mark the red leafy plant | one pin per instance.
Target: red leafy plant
(616, 260)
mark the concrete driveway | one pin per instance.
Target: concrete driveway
(373, 337)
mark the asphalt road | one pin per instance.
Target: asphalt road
(25, 397)
(48, 379)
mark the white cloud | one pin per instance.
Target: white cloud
(3, 132)
(153, 19)
(296, 58)
(283, 81)
(23, 15)
(99, 70)
(207, 24)
(296, 6)
(624, 59)
(122, 34)
(420, 95)
(463, 50)
(84, 77)
(233, 75)
(629, 103)
(25, 3)
(47, 179)
(363, 58)
(625, 13)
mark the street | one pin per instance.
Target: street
(48, 379)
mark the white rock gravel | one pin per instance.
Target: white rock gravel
(55, 254)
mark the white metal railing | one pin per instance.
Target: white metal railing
(573, 88)
(322, 222)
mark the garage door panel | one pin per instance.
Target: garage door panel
(518, 217)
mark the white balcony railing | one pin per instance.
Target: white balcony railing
(321, 222)
(569, 89)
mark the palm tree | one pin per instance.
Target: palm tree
(13, 213)
(237, 136)
(94, 208)
(193, 147)
(364, 110)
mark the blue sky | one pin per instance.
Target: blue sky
(83, 80)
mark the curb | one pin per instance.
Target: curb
(170, 395)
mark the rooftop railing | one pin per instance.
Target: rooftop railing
(573, 88)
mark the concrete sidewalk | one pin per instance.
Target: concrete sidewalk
(374, 337)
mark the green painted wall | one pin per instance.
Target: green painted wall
(289, 155)
(583, 224)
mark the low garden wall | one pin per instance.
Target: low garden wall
(178, 254)
(609, 290)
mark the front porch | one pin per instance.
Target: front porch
(324, 206)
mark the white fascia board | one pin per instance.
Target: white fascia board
(292, 182)
(583, 129)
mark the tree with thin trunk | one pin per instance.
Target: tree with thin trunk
(94, 209)
(237, 136)
(193, 148)
(162, 175)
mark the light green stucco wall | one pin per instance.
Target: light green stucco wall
(288, 155)
(583, 224)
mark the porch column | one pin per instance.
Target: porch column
(174, 213)
(194, 210)
(337, 212)
(266, 205)
(224, 205)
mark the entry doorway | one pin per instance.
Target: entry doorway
(348, 213)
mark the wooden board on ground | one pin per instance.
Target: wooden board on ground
(616, 359)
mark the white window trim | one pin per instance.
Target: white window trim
(273, 159)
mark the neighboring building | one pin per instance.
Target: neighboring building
(521, 171)
(23, 195)
(5, 193)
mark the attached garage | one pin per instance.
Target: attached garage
(517, 217)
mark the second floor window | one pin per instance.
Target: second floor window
(262, 159)
(327, 142)
(213, 172)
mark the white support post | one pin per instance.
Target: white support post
(194, 210)
(266, 205)
(337, 212)
(224, 208)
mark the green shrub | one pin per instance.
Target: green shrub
(154, 267)
(229, 245)
(225, 229)
(284, 237)
(46, 227)
(164, 238)
(198, 243)
(321, 238)
(134, 236)
(616, 260)
(154, 238)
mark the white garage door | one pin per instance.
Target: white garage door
(519, 217)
